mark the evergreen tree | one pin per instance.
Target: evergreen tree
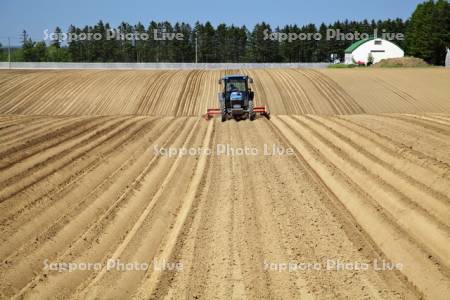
(207, 49)
(127, 49)
(183, 50)
(263, 48)
(240, 41)
(110, 44)
(74, 46)
(27, 47)
(57, 41)
(40, 52)
(223, 42)
(428, 31)
(166, 44)
(54, 52)
(324, 50)
(152, 50)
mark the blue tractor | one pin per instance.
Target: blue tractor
(236, 100)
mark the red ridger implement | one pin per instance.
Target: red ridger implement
(261, 110)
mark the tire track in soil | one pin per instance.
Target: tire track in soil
(35, 214)
(385, 194)
(39, 171)
(395, 243)
(71, 239)
(139, 217)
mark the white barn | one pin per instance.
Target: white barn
(379, 48)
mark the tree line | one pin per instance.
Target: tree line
(426, 36)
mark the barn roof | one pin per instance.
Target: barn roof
(357, 44)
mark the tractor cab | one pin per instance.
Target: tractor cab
(236, 83)
(236, 99)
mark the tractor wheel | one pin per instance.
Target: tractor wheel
(251, 114)
(224, 118)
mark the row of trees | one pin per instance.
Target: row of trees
(39, 51)
(427, 36)
(215, 44)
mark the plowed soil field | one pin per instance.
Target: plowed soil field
(113, 186)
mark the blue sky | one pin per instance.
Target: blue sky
(36, 16)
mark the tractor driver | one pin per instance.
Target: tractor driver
(232, 88)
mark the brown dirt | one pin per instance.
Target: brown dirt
(367, 182)
(405, 62)
(189, 93)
